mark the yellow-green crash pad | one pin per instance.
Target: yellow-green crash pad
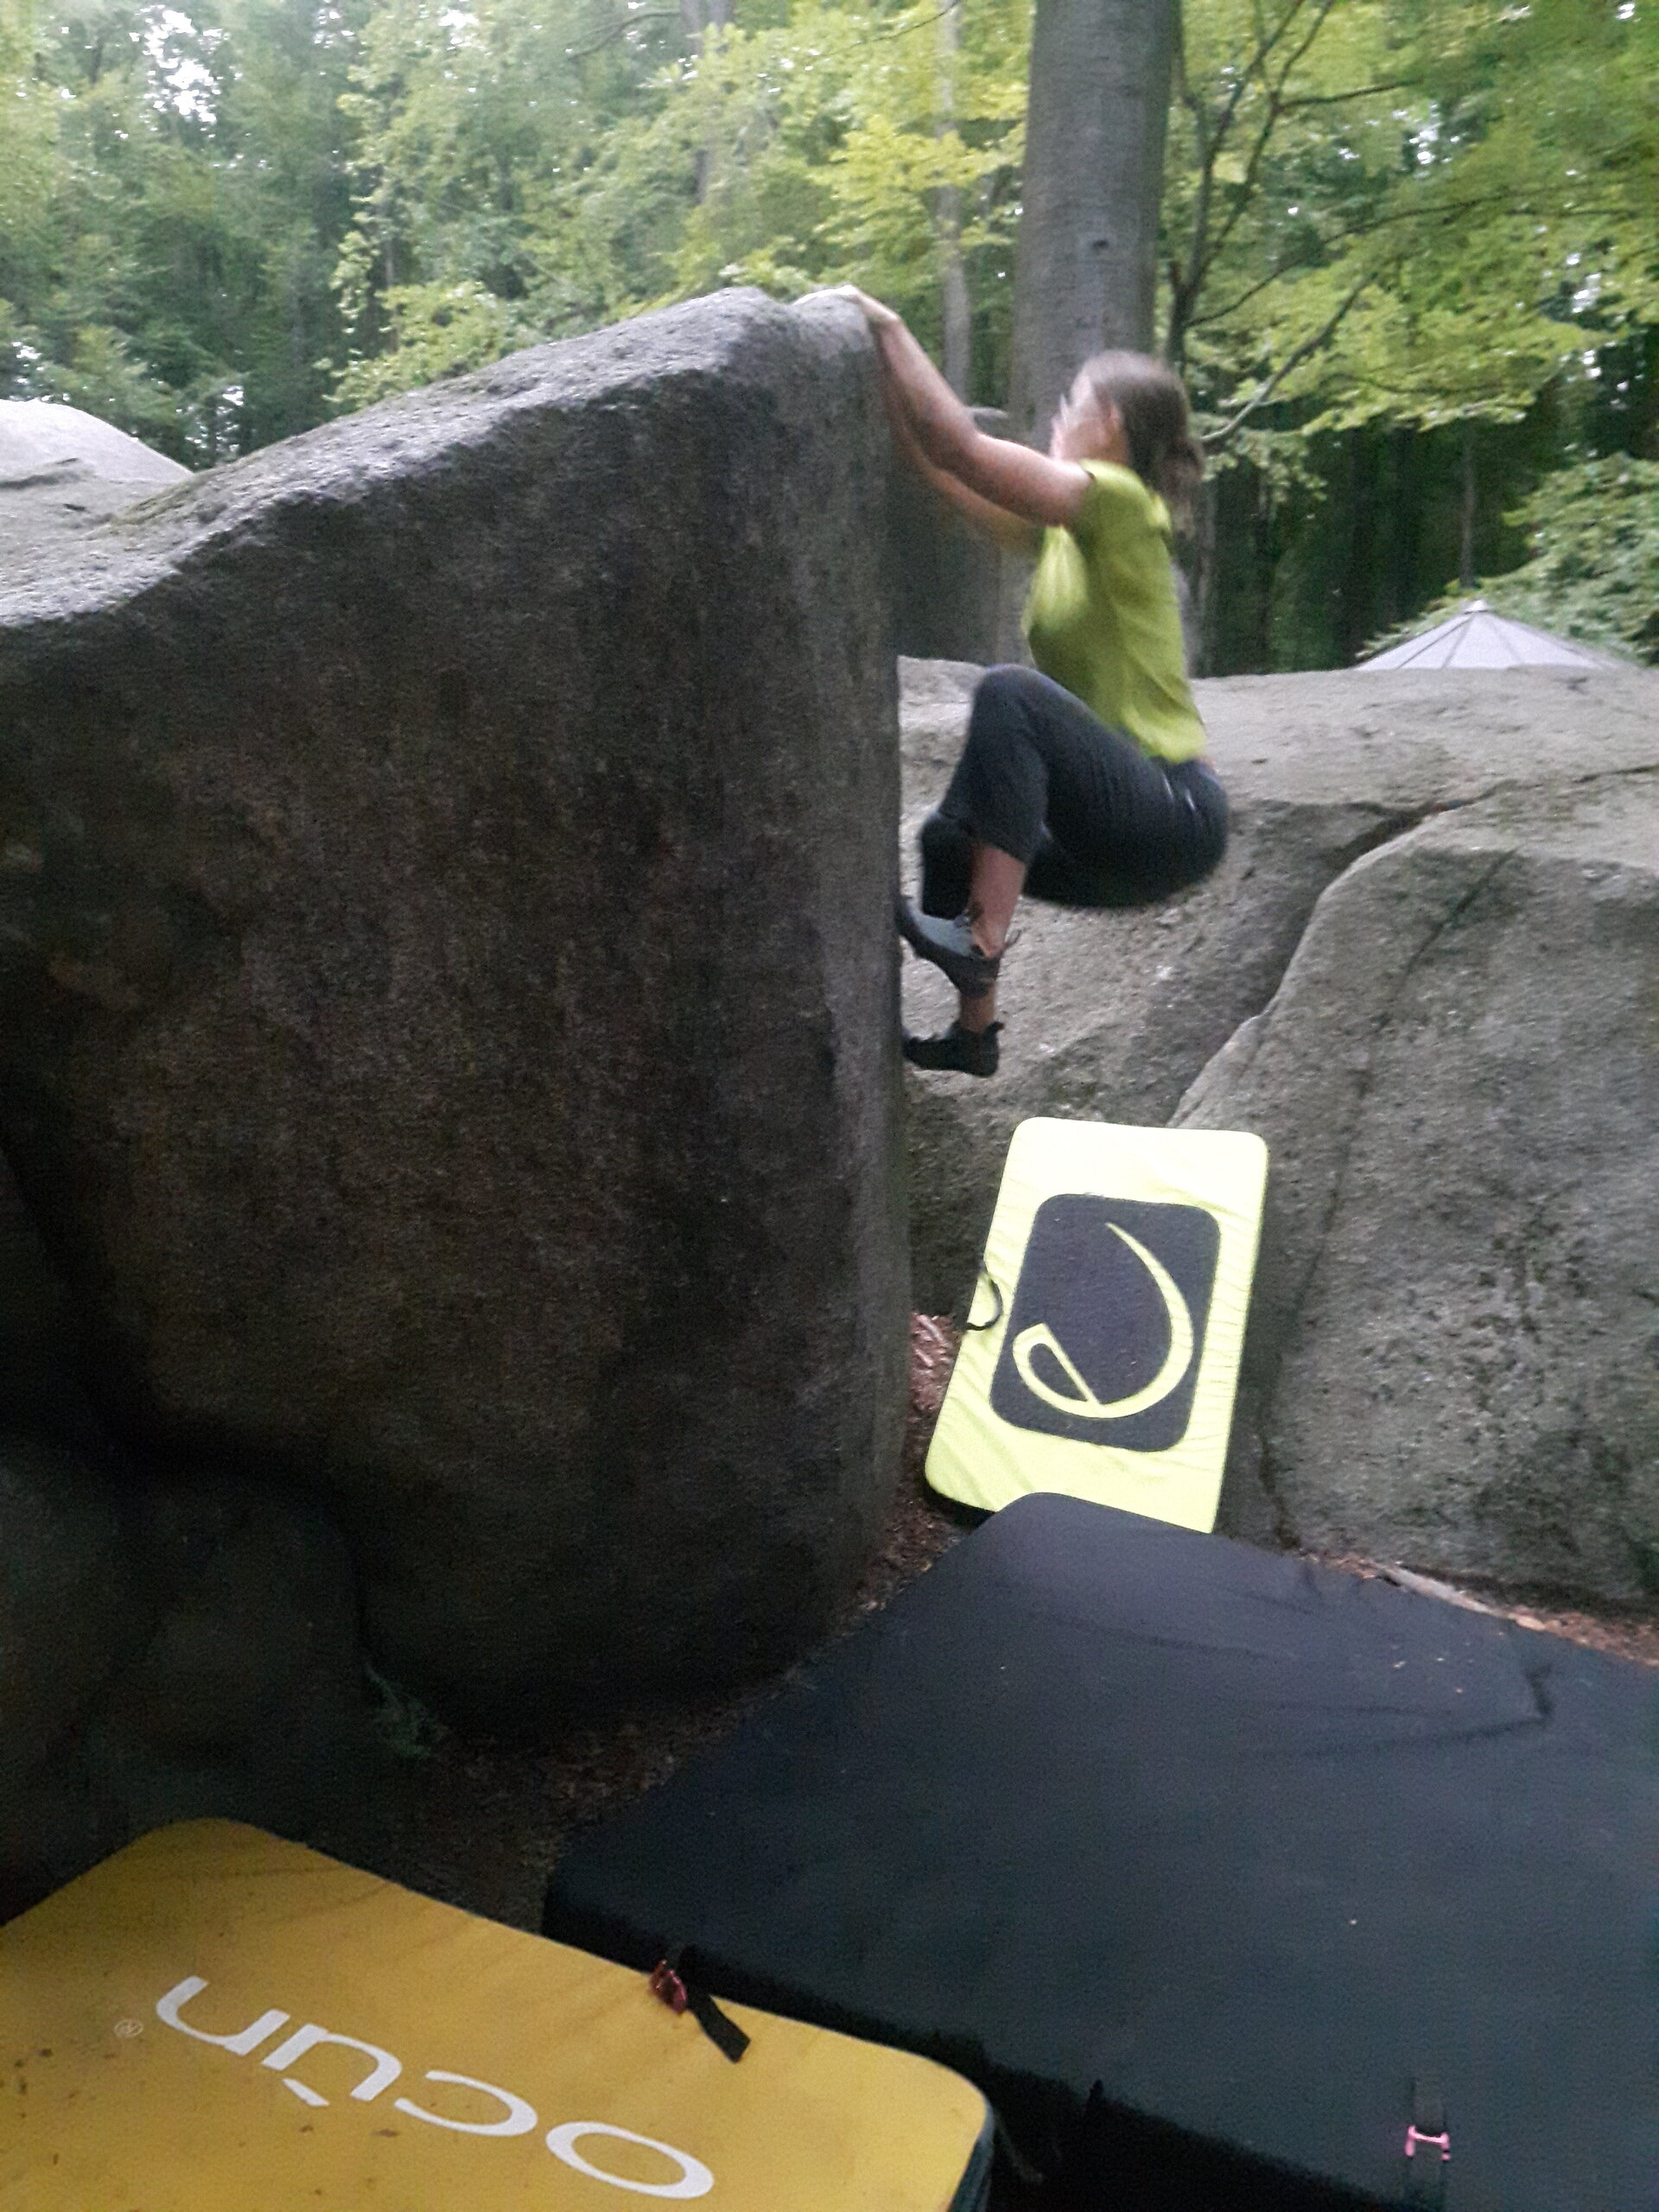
(1101, 1352)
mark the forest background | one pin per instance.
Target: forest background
(1409, 249)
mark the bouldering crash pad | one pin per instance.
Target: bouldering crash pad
(1102, 1353)
(215, 2019)
(1218, 1870)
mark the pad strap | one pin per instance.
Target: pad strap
(670, 1981)
(1427, 2147)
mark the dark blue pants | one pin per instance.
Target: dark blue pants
(1097, 822)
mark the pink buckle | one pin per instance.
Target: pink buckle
(667, 1984)
(1441, 2143)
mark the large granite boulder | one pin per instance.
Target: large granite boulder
(168, 1648)
(74, 1597)
(947, 580)
(255, 1636)
(41, 1338)
(1419, 974)
(448, 995)
(1452, 1354)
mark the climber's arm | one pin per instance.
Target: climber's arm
(1028, 485)
(983, 515)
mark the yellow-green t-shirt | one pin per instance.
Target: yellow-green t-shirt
(1102, 618)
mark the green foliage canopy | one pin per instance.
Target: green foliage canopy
(624, 166)
(221, 219)
(1418, 210)
(172, 190)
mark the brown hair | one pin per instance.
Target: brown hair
(1152, 401)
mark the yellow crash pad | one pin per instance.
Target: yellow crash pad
(216, 2021)
(1102, 1349)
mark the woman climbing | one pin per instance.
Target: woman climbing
(1081, 781)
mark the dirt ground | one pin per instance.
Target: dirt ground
(480, 1823)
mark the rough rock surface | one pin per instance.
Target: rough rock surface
(167, 1650)
(41, 1395)
(1441, 890)
(1452, 1353)
(73, 1596)
(946, 581)
(258, 1625)
(448, 1004)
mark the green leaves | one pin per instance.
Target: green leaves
(220, 220)
(1408, 210)
(168, 212)
(433, 331)
(577, 164)
(1594, 570)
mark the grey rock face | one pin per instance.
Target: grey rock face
(247, 1700)
(1451, 1359)
(1419, 974)
(38, 439)
(73, 1596)
(167, 1650)
(449, 1002)
(946, 581)
(1111, 1016)
(258, 1625)
(41, 1395)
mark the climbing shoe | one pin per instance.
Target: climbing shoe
(950, 945)
(959, 1051)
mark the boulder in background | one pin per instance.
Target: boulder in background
(61, 472)
(1451, 1359)
(1112, 1016)
(1423, 974)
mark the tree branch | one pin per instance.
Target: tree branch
(1206, 247)
(1275, 111)
(1369, 228)
(1294, 359)
(620, 30)
(1267, 40)
(921, 23)
(1359, 92)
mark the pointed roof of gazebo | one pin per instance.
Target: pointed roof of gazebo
(1477, 638)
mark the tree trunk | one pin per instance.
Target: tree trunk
(1201, 626)
(958, 307)
(1085, 270)
(1467, 521)
(1402, 512)
(957, 310)
(698, 15)
(695, 17)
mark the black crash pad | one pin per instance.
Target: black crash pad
(1254, 1845)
